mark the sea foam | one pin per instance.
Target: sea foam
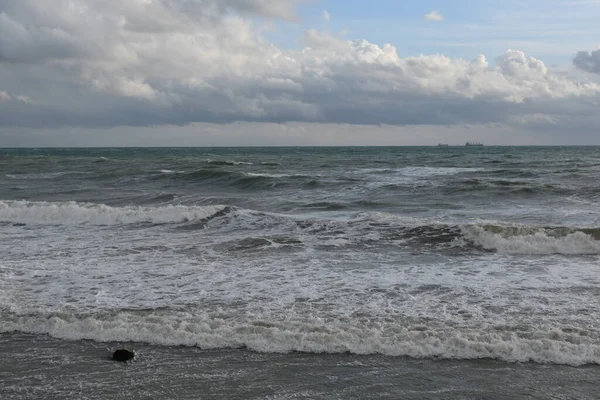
(73, 213)
(537, 241)
(336, 336)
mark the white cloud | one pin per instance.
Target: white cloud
(326, 16)
(23, 99)
(106, 63)
(5, 96)
(434, 16)
(285, 9)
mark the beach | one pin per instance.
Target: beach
(42, 367)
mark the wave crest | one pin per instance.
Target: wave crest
(371, 228)
(416, 339)
(73, 213)
(532, 240)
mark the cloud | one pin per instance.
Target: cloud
(588, 61)
(285, 9)
(109, 63)
(24, 99)
(434, 16)
(326, 16)
(4, 96)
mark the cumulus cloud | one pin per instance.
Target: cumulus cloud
(285, 9)
(588, 61)
(106, 63)
(434, 16)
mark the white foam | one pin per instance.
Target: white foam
(43, 175)
(538, 242)
(316, 336)
(72, 213)
(433, 171)
(268, 175)
(419, 172)
(228, 162)
(322, 294)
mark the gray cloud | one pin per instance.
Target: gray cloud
(588, 61)
(107, 63)
(20, 43)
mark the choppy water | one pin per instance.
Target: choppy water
(432, 253)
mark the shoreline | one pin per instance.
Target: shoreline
(38, 366)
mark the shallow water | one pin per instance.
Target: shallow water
(34, 367)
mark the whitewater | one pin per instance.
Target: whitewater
(390, 256)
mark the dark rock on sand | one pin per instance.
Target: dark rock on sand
(122, 355)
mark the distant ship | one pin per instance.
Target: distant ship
(473, 144)
(442, 145)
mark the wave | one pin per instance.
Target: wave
(482, 235)
(269, 175)
(73, 213)
(42, 175)
(227, 162)
(422, 235)
(241, 180)
(533, 240)
(414, 338)
(497, 182)
(511, 173)
(223, 177)
(420, 172)
(325, 205)
(358, 229)
(501, 187)
(507, 239)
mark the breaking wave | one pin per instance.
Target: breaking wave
(73, 213)
(41, 175)
(531, 240)
(417, 339)
(373, 228)
(227, 162)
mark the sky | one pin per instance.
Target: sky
(294, 72)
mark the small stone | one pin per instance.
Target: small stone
(123, 355)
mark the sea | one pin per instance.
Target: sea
(300, 273)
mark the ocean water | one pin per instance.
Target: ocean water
(384, 272)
